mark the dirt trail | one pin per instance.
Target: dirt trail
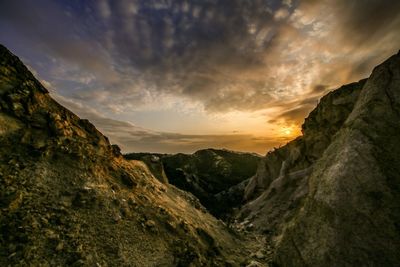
(255, 245)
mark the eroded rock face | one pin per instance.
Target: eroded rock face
(68, 198)
(351, 214)
(45, 123)
(331, 197)
(318, 130)
(280, 185)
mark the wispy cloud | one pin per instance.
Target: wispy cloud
(133, 138)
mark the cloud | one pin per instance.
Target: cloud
(277, 57)
(104, 8)
(132, 138)
(174, 47)
(295, 116)
(281, 14)
(226, 55)
(173, 143)
(365, 21)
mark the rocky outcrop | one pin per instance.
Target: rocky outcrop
(280, 184)
(217, 177)
(331, 197)
(68, 198)
(351, 214)
(318, 130)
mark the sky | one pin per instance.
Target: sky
(177, 75)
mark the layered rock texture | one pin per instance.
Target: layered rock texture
(216, 177)
(68, 198)
(280, 183)
(332, 196)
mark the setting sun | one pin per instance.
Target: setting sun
(289, 131)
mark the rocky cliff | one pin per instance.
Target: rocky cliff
(68, 198)
(280, 183)
(331, 197)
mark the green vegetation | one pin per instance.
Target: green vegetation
(205, 174)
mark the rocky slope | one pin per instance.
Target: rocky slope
(68, 198)
(209, 174)
(280, 184)
(153, 161)
(331, 197)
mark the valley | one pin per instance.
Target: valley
(331, 197)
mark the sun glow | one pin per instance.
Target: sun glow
(289, 131)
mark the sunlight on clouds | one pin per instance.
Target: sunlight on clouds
(281, 14)
(201, 70)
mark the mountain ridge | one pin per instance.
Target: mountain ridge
(208, 174)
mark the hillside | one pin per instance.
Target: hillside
(68, 198)
(208, 174)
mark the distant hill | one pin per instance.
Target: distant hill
(207, 174)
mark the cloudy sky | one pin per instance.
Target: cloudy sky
(180, 75)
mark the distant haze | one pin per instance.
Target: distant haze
(176, 75)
